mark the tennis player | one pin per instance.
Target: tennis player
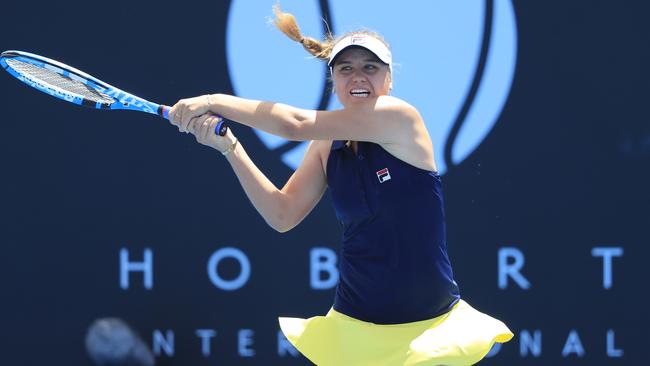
(396, 302)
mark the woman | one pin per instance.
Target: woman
(396, 302)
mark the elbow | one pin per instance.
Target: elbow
(281, 227)
(282, 218)
(279, 221)
(284, 224)
(293, 125)
(291, 130)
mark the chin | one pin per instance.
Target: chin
(358, 100)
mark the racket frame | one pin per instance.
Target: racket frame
(122, 99)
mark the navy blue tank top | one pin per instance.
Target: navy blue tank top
(393, 263)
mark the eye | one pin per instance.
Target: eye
(345, 68)
(371, 68)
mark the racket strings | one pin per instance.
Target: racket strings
(56, 80)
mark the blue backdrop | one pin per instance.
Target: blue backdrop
(537, 113)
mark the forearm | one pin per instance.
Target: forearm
(275, 118)
(263, 194)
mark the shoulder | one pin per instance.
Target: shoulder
(411, 142)
(405, 119)
(394, 104)
(397, 110)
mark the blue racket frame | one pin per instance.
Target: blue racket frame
(122, 99)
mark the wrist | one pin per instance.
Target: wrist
(234, 142)
(214, 101)
(209, 98)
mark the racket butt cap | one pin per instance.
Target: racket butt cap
(221, 128)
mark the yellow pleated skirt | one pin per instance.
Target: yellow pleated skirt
(460, 337)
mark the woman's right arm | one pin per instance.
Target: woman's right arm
(282, 209)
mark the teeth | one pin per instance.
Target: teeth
(360, 92)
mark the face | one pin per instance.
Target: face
(359, 76)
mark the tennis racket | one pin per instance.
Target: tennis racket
(75, 86)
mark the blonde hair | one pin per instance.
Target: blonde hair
(286, 23)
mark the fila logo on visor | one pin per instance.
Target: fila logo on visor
(383, 175)
(358, 39)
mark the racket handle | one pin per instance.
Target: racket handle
(220, 130)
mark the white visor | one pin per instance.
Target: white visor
(368, 42)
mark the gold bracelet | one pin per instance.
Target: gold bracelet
(231, 148)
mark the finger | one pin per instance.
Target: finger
(172, 115)
(188, 120)
(205, 127)
(187, 117)
(179, 115)
(196, 125)
(191, 125)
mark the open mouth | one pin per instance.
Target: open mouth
(360, 93)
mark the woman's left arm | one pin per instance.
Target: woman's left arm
(385, 120)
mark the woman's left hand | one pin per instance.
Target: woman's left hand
(203, 128)
(186, 109)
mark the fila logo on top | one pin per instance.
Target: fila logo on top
(454, 61)
(383, 175)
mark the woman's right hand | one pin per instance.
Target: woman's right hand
(203, 128)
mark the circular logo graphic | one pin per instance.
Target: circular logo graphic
(454, 61)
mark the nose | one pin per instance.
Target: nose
(358, 76)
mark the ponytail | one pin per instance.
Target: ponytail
(286, 22)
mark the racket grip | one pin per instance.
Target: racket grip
(220, 129)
